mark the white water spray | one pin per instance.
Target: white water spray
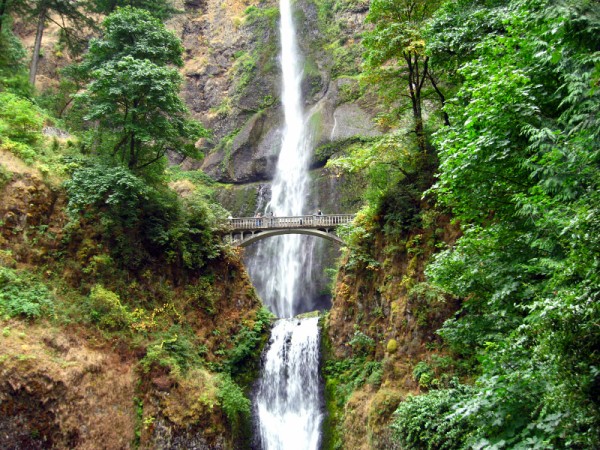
(288, 394)
(287, 401)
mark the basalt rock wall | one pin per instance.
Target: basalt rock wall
(232, 81)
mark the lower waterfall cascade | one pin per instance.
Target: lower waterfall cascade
(288, 389)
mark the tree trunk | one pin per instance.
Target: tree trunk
(36, 48)
(132, 153)
(3, 4)
(415, 84)
(442, 100)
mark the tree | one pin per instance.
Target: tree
(396, 57)
(519, 168)
(13, 73)
(132, 97)
(161, 9)
(71, 19)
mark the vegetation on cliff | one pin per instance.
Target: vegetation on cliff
(466, 307)
(516, 166)
(118, 258)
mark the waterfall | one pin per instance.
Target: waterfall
(287, 400)
(288, 394)
(282, 266)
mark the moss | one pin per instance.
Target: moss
(324, 152)
(240, 200)
(331, 432)
(5, 176)
(315, 123)
(392, 346)
(253, 65)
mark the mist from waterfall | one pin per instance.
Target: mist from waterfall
(288, 399)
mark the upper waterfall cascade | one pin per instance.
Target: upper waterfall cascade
(289, 257)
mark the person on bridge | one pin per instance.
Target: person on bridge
(319, 213)
(258, 219)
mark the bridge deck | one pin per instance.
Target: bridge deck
(239, 224)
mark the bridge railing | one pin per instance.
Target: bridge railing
(274, 222)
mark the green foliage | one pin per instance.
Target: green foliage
(359, 237)
(20, 125)
(232, 400)
(345, 376)
(172, 350)
(361, 343)
(136, 33)
(244, 71)
(262, 16)
(114, 190)
(398, 175)
(431, 422)
(13, 74)
(519, 168)
(203, 294)
(21, 295)
(324, 152)
(161, 9)
(107, 311)
(143, 223)
(197, 177)
(133, 95)
(395, 59)
(248, 342)
(423, 374)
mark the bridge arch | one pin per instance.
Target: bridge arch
(244, 231)
(257, 236)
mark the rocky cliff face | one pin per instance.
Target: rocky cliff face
(66, 383)
(384, 311)
(233, 85)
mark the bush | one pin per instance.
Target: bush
(248, 341)
(361, 343)
(346, 375)
(20, 120)
(107, 311)
(430, 422)
(233, 401)
(172, 350)
(113, 190)
(144, 222)
(22, 296)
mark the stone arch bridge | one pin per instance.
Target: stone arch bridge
(244, 231)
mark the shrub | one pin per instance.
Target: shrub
(142, 221)
(233, 401)
(361, 343)
(248, 341)
(20, 120)
(172, 350)
(430, 422)
(346, 375)
(107, 311)
(114, 190)
(22, 296)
